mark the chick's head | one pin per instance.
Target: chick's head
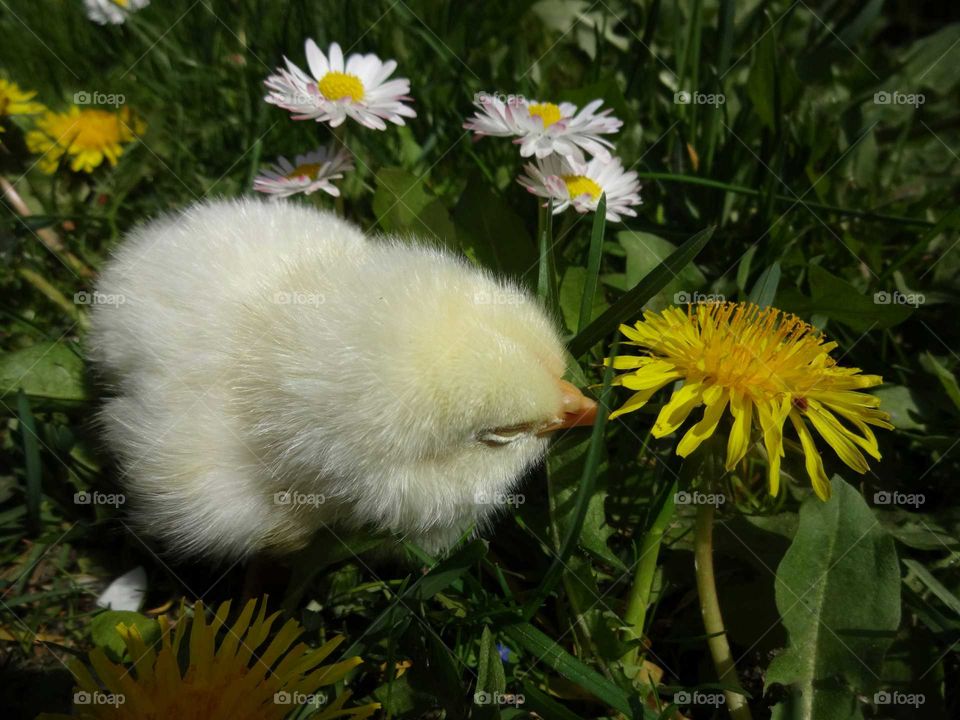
(473, 384)
(417, 394)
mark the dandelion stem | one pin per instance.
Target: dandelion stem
(639, 599)
(712, 618)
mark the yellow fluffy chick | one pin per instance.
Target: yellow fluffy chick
(271, 371)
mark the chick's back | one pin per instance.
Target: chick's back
(170, 350)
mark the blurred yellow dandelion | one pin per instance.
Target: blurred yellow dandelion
(240, 678)
(761, 363)
(15, 101)
(86, 136)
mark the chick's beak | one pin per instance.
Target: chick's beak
(577, 409)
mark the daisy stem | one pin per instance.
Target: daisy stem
(643, 578)
(547, 274)
(712, 618)
(340, 138)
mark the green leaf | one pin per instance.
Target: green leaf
(490, 676)
(838, 300)
(47, 372)
(772, 84)
(765, 289)
(104, 633)
(946, 378)
(491, 233)
(644, 252)
(399, 199)
(743, 267)
(565, 465)
(934, 585)
(552, 654)
(628, 307)
(31, 452)
(573, 519)
(572, 293)
(898, 401)
(593, 264)
(838, 593)
(538, 701)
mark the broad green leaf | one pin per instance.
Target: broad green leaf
(46, 372)
(947, 379)
(104, 633)
(838, 300)
(765, 289)
(898, 401)
(608, 90)
(572, 292)
(838, 593)
(491, 679)
(593, 614)
(396, 697)
(399, 199)
(565, 467)
(629, 307)
(491, 233)
(645, 252)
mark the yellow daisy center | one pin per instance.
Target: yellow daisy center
(548, 112)
(308, 169)
(578, 185)
(339, 86)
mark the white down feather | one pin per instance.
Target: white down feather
(262, 348)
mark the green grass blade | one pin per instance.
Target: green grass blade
(552, 654)
(547, 272)
(765, 289)
(631, 304)
(593, 263)
(31, 452)
(585, 490)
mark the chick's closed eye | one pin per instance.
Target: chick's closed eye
(495, 437)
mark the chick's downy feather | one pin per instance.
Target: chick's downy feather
(271, 370)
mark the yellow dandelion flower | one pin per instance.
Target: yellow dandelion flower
(766, 366)
(14, 101)
(87, 136)
(240, 678)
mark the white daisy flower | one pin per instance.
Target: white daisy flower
(568, 183)
(544, 128)
(112, 12)
(334, 91)
(306, 174)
